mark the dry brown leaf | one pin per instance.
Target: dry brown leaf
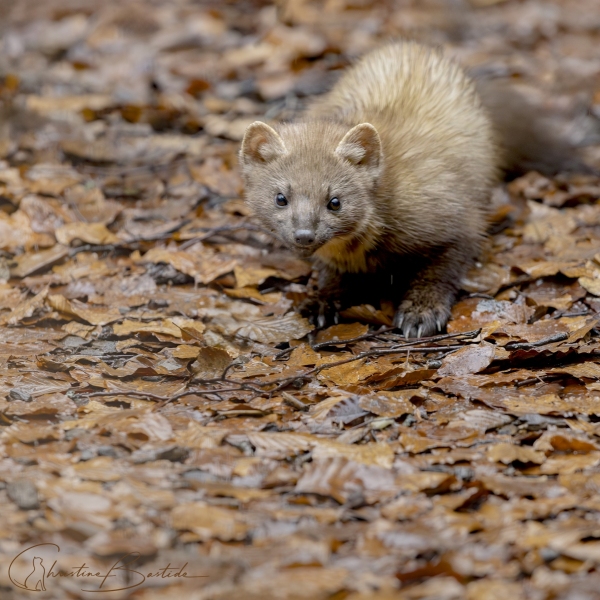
(209, 522)
(508, 453)
(367, 314)
(272, 331)
(468, 360)
(548, 404)
(388, 404)
(89, 233)
(591, 285)
(74, 308)
(101, 468)
(210, 363)
(254, 294)
(25, 310)
(570, 463)
(185, 351)
(380, 455)
(30, 263)
(343, 479)
(199, 262)
(490, 589)
(248, 276)
(341, 332)
(164, 327)
(197, 436)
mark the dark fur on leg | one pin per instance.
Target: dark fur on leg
(425, 308)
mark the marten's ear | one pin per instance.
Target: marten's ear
(362, 147)
(261, 144)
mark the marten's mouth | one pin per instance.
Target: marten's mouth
(305, 251)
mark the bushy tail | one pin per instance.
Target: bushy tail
(529, 139)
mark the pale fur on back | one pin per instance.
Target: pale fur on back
(440, 158)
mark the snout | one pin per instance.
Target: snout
(304, 237)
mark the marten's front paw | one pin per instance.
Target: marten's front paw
(422, 315)
(320, 312)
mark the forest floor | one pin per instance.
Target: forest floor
(161, 398)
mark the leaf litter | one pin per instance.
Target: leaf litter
(160, 394)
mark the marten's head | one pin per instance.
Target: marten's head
(312, 183)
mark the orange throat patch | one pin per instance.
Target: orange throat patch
(347, 254)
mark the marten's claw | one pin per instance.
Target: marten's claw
(321, 320)
(398, 319)
(421, 319)
(320, 313)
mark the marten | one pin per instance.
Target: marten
(386, 180)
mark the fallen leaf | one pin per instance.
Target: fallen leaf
(90, 233)
(467, 360)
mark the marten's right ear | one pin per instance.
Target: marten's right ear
(362, 147)
(261, 144)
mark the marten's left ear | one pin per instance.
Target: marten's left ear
(362, 147)
(261, 144)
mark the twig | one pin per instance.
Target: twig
(150, 396)
(359, 338)
(557, 337)
(442, 336)
(540, 379)
(134, 244)
(581, 313)
(224, 228)
(259, 387)
(368, 354)
(293, 401)
(320, 345)
(375, 334)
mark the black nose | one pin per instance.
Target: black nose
(304, 237)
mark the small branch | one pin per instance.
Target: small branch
(581, 313)
(359, 338)
(366, 336)
(467, 335)
(375, 334)
(557, 337)
(162, 398)
(225, 228)
(260, 387)
(368, 354)
(540, 379)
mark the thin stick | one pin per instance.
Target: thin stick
(369, 353)
(256, 386)
(161, 398)
(374, 334)
(225, 228)
(320, 345)
(359, 338)
(441, 336)
(557, 337)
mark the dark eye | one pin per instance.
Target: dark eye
(334, 204)
(281, 200)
